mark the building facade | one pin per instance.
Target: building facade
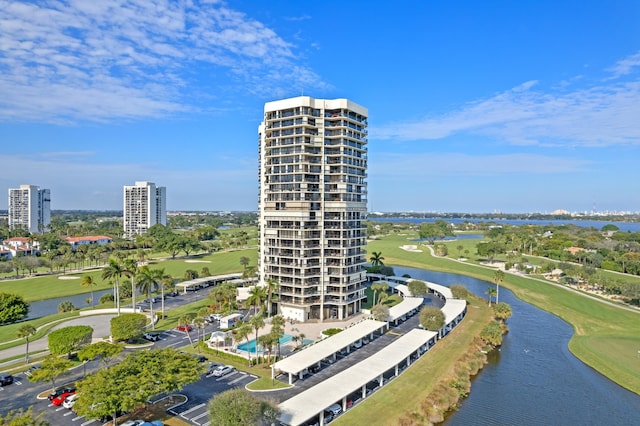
(145, 205)
(29, 208)
(313, 203)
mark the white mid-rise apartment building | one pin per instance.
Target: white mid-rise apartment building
(145, 205)
(29, 208)
(313, 204)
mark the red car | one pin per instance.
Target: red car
(58, 400)
(184, 328)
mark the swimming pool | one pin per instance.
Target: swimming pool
(250, 346)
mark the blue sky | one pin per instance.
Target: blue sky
(473, 106)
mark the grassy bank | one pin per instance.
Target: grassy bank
(606, 338)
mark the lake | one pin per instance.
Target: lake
(533, 379)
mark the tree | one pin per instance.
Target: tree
(459, 291)
(131, 270)
(12, 308)
(88, 282)
(23, 418)
(376, 261)
(243, 331)
(190, 274)
(114, 271)
(66, 306)
(24, 332)
(431, 318)
(271, 287)
(52, 367)
(459, 247)
(106, 298)
(492, 334)
(417, 287)
(186, 321)
(67, 340)
(256, 296)
(498, 278)
(257, 322)
(239, 407)
(379, 286)
(380, 312)
(130, 383)
(244, 261)
(437, 230)
(491, 292)
(127, 326)
(105, 351)
(502, 311)
(277, 329)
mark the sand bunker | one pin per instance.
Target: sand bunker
(197, 261)
(68, 277)
(411, 248)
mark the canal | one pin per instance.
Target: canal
(533, 379)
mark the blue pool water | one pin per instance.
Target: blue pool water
(250, 346)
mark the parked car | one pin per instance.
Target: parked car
(216, 317)
(6, 379)
(223, 370)
(153, 423)
(152, 337)
(357, 344)
(172, 293)
(59, 391)
(334, 409)
(59, 400)
(70, 401)
(185, 328)
(365, 340)
(212, 367)
(133, 423)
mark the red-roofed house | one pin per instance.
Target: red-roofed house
(78, 241)
(11, 247)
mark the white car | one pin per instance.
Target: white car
(223, 370)
(70, 400)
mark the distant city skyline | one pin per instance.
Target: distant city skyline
(511, 107)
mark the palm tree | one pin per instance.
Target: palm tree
(166, 283)
(277, 329)
(186, 321)
(376, 258)
(491, 292)
(376, 287)
(498, 278)
(243, 331)
(131, 270)
(256, 296)
(199, 324)
(257, 322)
(114, 271)
(25, 332)
(271, 287)
(88, 282)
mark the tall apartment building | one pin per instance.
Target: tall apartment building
(145, 205)
(29, 208)
(313, 203)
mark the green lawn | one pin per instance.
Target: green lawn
(50, 286)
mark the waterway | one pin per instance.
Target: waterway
(45, 307)
(533, 379)
(623, 226)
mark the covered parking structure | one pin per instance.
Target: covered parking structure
(454, 311)
(406, 308)
(299, 362)
(207, 281)
(378, 368)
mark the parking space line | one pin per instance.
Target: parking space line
(68, 414)
(206, 424)
(193, 419)
(60, 409)
(77, 418)
(191, 409)
(237, 380)
(88, 422)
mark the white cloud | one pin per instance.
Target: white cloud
(598, 115)
(625, 66)
(69, 60)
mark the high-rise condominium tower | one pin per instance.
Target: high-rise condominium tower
(29, 208)
(145, 205)
(313, 203)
